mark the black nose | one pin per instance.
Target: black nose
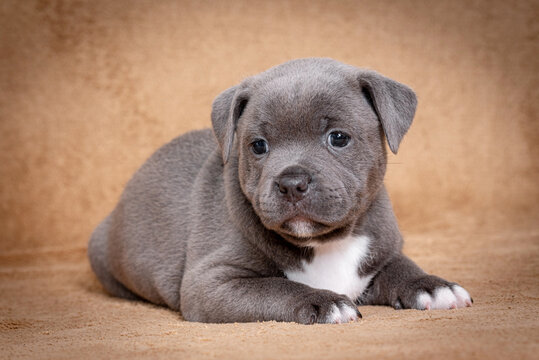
(294, 183)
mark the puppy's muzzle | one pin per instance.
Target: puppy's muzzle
(293, 183)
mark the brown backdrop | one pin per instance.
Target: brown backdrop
(89, 89)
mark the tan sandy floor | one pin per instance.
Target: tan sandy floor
(52, 307)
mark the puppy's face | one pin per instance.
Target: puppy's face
(311, 156)
(309, 140)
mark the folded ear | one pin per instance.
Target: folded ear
(226, 110)
(393, 102)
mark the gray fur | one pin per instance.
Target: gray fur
(202, 228)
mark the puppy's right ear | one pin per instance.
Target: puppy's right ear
(226, 111)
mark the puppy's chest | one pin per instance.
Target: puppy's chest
(335, 267)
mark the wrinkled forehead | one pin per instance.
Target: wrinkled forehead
(302, 104)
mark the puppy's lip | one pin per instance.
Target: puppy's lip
(299, 218)
(313, 220)
(302, 227)
(322, 236)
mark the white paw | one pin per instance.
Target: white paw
(444, 298)
(342, 314)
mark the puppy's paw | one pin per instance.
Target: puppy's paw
(325, 307)
(432, 293)
(444, 297)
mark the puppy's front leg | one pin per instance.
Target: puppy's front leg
(216, 299)
(403, 285)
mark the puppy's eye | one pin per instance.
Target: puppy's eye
(338, 139)
(260, 147)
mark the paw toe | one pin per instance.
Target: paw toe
(444, 299)
(424, 301)
(342, 314)
(463, 297)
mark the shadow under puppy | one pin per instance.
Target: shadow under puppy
(280, 213)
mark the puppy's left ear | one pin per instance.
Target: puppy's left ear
(226, 111)
(393, 102)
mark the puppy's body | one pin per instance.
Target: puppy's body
(281, 214)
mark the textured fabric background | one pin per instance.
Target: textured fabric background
(89, 89)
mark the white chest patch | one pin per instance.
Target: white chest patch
(335, 267)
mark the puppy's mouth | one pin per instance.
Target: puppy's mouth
(305, 232)
(302, 227)
(318, 217)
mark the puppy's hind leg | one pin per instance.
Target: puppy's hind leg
(97, 248)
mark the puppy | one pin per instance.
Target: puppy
(280, 213)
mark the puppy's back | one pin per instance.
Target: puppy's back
(138, 251)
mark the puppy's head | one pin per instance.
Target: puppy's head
(309, 137)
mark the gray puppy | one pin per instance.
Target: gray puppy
(280, 213)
